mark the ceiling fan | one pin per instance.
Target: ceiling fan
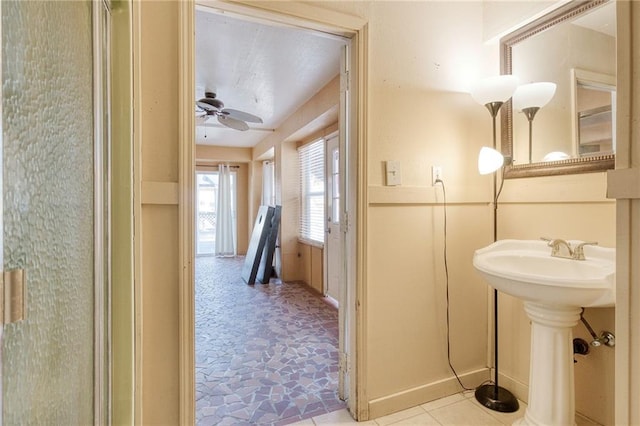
(232, 118)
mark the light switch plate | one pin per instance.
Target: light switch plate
(393, 173)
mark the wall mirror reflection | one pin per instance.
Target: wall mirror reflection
(593, 112)
(573, 47)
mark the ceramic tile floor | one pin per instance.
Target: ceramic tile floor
(265, 353)
(459, 409)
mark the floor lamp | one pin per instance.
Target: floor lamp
(528, 99)
(493, 92)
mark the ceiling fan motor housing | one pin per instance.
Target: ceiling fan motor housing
(210, 102)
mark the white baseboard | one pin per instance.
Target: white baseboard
(420, 395)
(517, 388)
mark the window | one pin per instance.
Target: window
(312, 181)
(335, 185)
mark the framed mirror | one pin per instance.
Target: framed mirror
(575, 48)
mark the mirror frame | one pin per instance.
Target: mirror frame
(598, 163)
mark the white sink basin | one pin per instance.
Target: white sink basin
(526, 269)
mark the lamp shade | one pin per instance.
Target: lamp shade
(489, 160)
(555, 156)
(533, 95)
(494, 89)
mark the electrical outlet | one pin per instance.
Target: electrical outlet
(436, 174)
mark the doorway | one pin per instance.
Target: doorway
(349, 124)
(225, 144)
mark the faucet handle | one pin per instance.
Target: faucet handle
(578, 252)
(556, 244)
(551, 243)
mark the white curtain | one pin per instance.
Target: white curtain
(225, 244)
(268, 184)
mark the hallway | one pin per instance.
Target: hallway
(265, 354)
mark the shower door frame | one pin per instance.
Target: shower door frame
(101, 19)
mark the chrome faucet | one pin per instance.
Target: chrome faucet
(578, 252)
(570, 252)
(556, 245)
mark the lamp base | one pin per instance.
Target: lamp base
(497, 398)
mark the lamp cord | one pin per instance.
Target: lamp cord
(446, 273)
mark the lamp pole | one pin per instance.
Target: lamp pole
(490, 395)
(530, 113)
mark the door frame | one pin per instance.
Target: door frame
(101, 23)
(305, 17)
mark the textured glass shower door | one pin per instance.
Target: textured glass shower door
(48, 210)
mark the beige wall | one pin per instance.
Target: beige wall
(207, 158)
(416, 117)
(288, 192)
(501, 17)
(156, 25)
(311, 266)
(315, 116)
(207, 154)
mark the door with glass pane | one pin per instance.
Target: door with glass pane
(333, 249)
(48, 210)
(207, 210)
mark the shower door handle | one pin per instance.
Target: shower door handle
(12, 296)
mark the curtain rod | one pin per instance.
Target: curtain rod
(216, 165)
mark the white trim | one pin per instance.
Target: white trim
(311, 243)
(102, 212)
(297, 15)
(136, 165)
(186, 210)
(627, 359)
(496, 38)
(357, 178)
(428, 392)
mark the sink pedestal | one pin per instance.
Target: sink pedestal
(551, 384)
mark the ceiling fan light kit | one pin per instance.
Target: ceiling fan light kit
(232, 118)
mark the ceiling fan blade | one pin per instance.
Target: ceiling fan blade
(241, 115)
(233, 123)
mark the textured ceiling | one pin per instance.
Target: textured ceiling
(268, 71)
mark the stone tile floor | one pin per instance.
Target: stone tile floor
(265, 353)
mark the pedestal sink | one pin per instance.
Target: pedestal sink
(554, 291)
